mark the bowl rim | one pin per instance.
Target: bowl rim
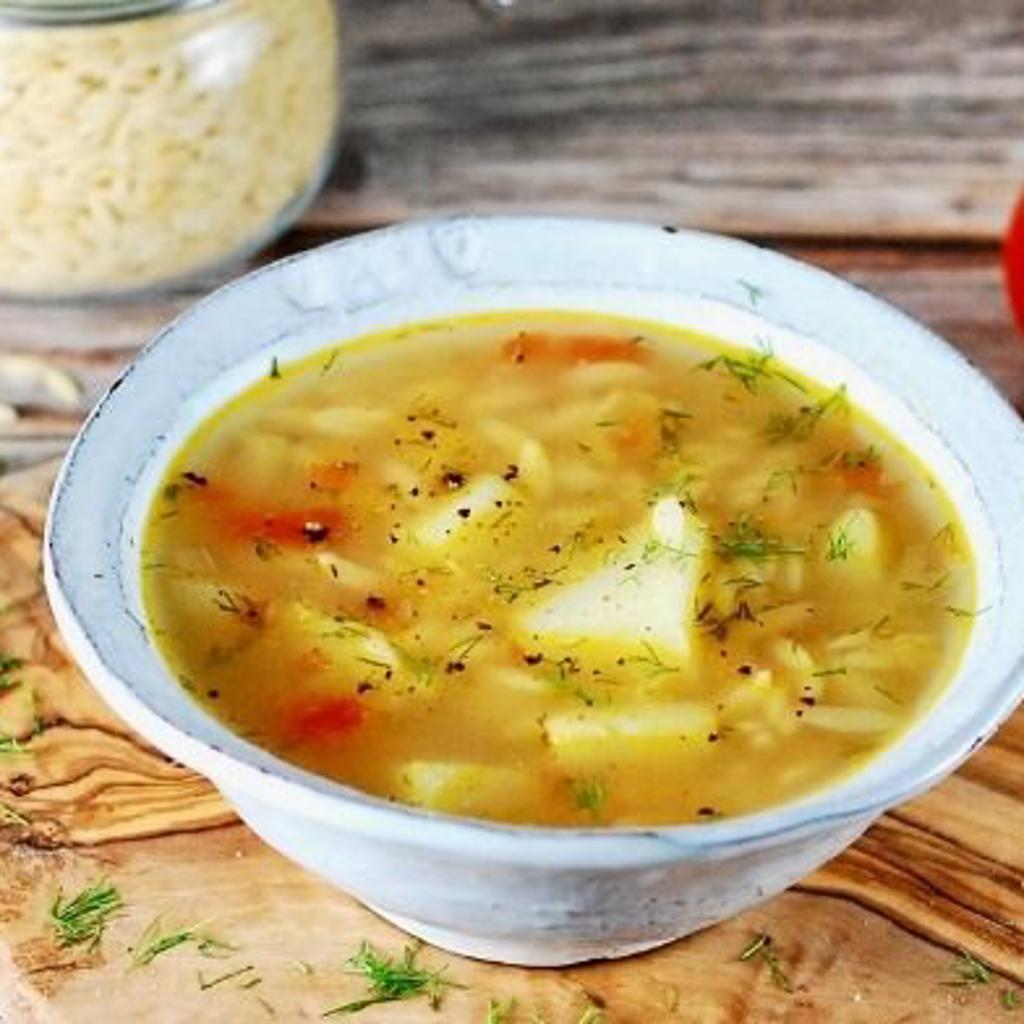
(336, 803)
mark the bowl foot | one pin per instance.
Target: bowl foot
(553, 952)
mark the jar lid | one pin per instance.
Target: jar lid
(78, 12)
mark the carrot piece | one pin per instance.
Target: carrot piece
(1013, 263)
(535, 347)
(323, 718)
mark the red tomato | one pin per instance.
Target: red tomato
(1013, 263)
(322, 718)
(533, 347)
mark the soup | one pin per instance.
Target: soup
(557, 569)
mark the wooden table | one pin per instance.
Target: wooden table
(878, 140)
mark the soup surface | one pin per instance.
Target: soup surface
(559, 569)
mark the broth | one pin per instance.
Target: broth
(555, 568)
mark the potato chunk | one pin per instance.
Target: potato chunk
(593, 737)
(643, 598)
(468, 511)
(460, 787)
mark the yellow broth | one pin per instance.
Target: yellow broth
(557, 569)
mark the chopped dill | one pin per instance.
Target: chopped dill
(754, 292)
(892, 698)
(275, 369)
(462, 650)
(304, 967)
(859, 459)
(8, 666)
(12, 745)
(331, 360)
(510, 589)
(1009, 999)
(823, 673)
(593, 1014)
(654, 550)
(927, 588)
(205, 985)
(838, 546)
(154, 942)
(500, 1011)
(391, 980)
(746, 539)
(608, 423)
(964, 613)
(83, 919)
(945, 535)
(968, 971)
(653, 663)
(762, 948)
(800, 425)
(589, 795)
(751, 370)
(9, 816)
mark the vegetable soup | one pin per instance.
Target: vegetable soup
(557, 568)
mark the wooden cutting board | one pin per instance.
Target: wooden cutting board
(873, 937)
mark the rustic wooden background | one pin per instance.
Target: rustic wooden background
(883, 141)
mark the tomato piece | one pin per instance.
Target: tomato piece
(535, 347)
(323, 718)
(333, 476)
(1013, 263)
(863, 476)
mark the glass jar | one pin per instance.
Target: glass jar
(147, 142)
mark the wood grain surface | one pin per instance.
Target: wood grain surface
(878, 140)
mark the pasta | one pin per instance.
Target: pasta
(140, 152)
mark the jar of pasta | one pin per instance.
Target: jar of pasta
(145, 142)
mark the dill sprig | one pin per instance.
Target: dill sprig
(751, 370)
(392, 980)
(9, 816)
(654, 664)
(800, 425)
(500, 1011)
(83, 919)
(593, 1014)
(1009, 999)
(964, 613)
(205, 985)
(838, 546)
(746, 539)
(589, 795)
(762, 948)
(969, 971)
(9, 665)
(11, 745)
(154, 942)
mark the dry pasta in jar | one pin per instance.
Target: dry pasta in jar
(144, 143)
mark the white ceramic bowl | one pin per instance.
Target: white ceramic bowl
(512, 893)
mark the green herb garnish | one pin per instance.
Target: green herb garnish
(11, 745)
(204, 985)
(589, 795)
(751, 370)
(390, 980)
(822, 673)
(762, 948)
(500, 1011)
(969, 971)
(275, 369)
(1009, 999)
(9, 665)
(154, 942)
(964, 613)
(83, 919)
(800, 425)
(754, 292)
(838, 546)
(746, 539)
(11, 817)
